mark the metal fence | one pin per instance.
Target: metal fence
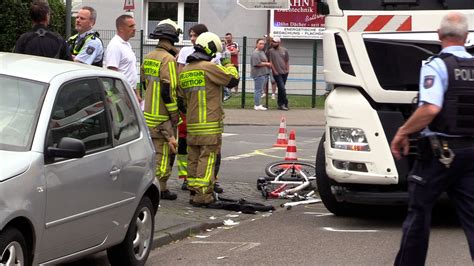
(306, 73)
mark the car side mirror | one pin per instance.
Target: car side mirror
(68, 148)
(322, 8)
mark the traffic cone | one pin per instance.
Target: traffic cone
(282, 139)
(291, 148)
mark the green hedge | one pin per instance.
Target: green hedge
(16, 20)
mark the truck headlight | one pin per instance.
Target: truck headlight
(352, 139)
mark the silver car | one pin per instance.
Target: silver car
(76, 164)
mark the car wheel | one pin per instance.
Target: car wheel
(13, 249)
(136, 246)
(324, 184)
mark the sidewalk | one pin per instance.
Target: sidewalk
(294, 117)
(177, 219)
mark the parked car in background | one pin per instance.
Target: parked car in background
(77, 164)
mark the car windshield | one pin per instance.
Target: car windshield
(20, 104)
(405, 4)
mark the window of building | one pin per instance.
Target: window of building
(184, 12)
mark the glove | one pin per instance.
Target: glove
(225, 61)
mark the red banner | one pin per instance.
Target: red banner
(300, 21)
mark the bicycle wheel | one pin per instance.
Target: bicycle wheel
(277, 168)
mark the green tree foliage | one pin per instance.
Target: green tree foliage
(16, 20)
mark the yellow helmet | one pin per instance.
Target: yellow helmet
(209, 43)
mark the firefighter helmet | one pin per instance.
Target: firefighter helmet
(209, 43)
(166, 29)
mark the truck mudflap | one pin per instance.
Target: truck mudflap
(344, 194)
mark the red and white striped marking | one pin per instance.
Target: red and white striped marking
(291, 148)
(379, 23)
(282, 139)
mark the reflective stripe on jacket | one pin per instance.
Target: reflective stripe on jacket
(202, 84)
(159, 70)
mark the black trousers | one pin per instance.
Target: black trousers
(281, 83)
(427, 181)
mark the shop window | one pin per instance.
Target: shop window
(184, 12)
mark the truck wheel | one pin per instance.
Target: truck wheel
(324, 186)
(136, 246)
(13, 250)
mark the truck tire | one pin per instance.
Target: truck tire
(324, 184)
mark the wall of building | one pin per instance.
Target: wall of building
(222, 16)
(109, 10)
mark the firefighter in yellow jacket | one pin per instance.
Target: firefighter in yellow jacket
(161, 110)
(201, 86)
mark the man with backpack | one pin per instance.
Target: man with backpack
(40, 40)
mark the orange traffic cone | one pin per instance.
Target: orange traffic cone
(282, 139)
(291, 148)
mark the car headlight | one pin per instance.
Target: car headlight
(352, 139)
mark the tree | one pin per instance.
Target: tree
(16, 20)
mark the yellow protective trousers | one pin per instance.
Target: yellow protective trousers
(163, 159)
(201, 165)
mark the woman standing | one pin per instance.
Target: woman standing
(260, 71)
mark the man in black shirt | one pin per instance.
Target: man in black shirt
(40, 40)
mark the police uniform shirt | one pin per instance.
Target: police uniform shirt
(92, 51)
(434, 77)
(434, 80)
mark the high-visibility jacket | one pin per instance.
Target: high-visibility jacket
(202, 85)
(75, 46)
(159, 73)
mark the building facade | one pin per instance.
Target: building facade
(220, 16)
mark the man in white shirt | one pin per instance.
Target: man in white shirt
(119, 55)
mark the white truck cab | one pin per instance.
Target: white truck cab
(373, 52)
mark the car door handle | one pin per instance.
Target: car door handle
(114, 174)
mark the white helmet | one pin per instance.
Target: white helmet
(166, 29)
(209, 43)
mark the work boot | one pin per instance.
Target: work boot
(184, 186)
(167, 195)
(217, 188)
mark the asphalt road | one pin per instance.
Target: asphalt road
(306, 235)
(309, 235)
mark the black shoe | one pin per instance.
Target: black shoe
(184, 186)
(217, 188)
(167, 195)
(283, 108)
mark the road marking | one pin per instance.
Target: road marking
(318, 214)
(349, 230)
(251, 154)
(259, 153)
(228, 134)
(238, 246)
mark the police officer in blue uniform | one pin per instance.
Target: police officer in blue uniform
(445, 117)
(86, 46)
(40, 40)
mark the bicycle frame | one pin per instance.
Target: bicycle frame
(281, 192)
